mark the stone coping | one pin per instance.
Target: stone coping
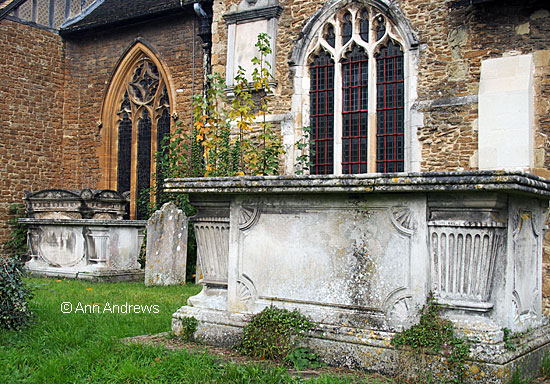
(497, 181)
(84, 222)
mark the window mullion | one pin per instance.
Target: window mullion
(338, 97)
(371, 165)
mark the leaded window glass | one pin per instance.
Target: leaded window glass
(390, 110)
(144, 119)
(355, 112)
(322, 113)
(357, 60)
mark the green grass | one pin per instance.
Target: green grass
(85, 347)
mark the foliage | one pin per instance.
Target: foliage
(17, 243)
(545, 365)
(273, 333)
(508, 345)
(304, 358)
(254, 149)
(307, 152)
(189, 327)
(435, 334)
(517, 378)
(14, 295)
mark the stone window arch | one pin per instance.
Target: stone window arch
(136, 116)
(355, 85)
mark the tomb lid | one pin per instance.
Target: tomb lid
(495, 181)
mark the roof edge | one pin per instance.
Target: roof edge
(82, 14)
(10, 7)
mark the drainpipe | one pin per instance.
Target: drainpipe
(203, 10)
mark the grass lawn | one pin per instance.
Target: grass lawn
(82, 347)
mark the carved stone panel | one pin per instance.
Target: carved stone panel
(212, 235)
(353, 258)
(59, 246)
(526, 260)
(463, 258)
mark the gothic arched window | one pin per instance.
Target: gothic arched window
(356, 95)
(137, 117)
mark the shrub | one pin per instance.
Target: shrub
(273, 333)
(17, 244)
(14, 296)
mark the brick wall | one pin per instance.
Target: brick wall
(31, 90)
(53, 91)
(92, 60)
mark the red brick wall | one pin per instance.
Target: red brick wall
(31, 91)
(91, 61)
(52, 91)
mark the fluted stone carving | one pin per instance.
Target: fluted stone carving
(213, 247)
(466, 237)
(463, 260)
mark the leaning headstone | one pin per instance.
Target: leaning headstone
(166, 254)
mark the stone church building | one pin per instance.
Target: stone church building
(90, 87)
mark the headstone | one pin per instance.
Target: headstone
(166, 255)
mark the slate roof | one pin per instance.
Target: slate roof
(104, 13)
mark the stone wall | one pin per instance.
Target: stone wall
(452, 45)
(31, 128)
(91, 62)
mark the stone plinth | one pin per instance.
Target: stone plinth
(359, 254)
(85, 248)
(166, 246)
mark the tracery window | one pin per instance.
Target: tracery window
(138, 118)
(356, 71)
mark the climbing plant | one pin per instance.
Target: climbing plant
(234, 133)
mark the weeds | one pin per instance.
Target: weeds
(274, 333)
(434, 334)
(304, 358)
(189, 325)
(545, 365)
